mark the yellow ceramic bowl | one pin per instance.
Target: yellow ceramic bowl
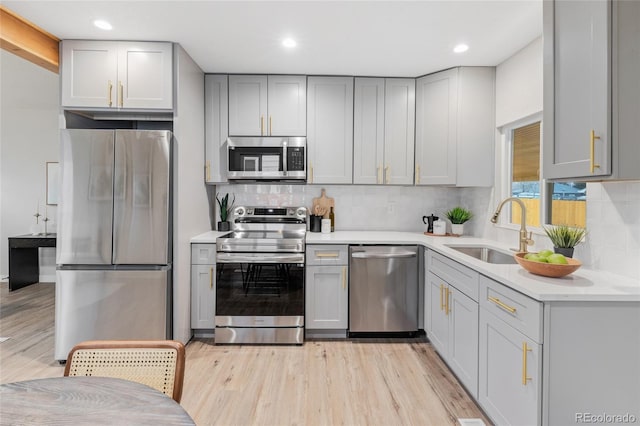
(548, 269)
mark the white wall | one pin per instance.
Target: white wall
(28, 139)
(519, 84)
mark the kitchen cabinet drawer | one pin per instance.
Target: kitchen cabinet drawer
(322, 254)
(464, 279)
(517, 310)
(203, 254)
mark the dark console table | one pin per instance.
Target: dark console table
(24, 265)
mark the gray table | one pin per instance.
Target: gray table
(87, 400)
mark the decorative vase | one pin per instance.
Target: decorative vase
(457, 228)
(224, 226)
(566, 251)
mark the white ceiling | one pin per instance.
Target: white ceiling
(375, 38)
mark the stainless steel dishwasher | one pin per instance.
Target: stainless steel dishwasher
(383, 290)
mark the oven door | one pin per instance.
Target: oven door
(260, 290)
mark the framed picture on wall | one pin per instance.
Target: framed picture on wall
(53, 183)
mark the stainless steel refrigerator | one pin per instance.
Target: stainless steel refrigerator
(114, 245)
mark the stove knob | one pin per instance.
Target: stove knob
(240, 211)
(301, 212)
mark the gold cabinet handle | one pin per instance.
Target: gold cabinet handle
(262, 125)
(344, 277)
(525, 349)
(441, 297)
(417, 179)
(378, 174)
(334, 255)
(211, 277)
(593, 164)
(121, 93)
(208, 167)
(447, 292)
(270, 125)
(502, 305)
(386, 174)
(310, 172)
(110, 90)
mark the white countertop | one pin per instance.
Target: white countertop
(582, 285)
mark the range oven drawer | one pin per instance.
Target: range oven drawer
(273, 335)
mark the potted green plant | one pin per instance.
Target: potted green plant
(458, 216)
(565, 238)
(225, 209)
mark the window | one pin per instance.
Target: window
(555, 203)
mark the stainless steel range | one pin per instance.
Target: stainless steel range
(260, 278)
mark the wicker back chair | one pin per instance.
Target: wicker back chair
(155, 363)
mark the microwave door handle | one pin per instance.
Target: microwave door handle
(284, 158)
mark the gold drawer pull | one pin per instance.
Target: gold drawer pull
(110, 89)
(447, 309)
(211, 277)
(525, 349)
(503, 305)
(334, 255)
(442, 297)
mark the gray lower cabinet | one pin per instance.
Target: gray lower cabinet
(327, 291)
(452, 317)
(510, 355)
(203, 286)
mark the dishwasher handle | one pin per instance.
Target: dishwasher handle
(395, 255)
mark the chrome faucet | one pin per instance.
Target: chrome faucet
(523, 240)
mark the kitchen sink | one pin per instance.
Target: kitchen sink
(485, 253)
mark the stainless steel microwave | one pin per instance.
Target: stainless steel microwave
(267, 159)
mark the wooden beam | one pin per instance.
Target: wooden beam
(23, 38)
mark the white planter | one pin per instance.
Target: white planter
(457, 229)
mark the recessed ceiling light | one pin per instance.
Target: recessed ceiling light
(461, 48)
(102, 24)
(289, 42)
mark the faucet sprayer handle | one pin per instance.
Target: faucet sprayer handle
(530, 239)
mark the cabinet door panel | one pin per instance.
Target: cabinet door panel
(203, 296)
(326, 297)
(581, 96)
(368, 132)
(330, 130)
(437, 319)
(436, 127)
(501, 391)
(399, 130)
(216, 127)
(463, 340)
(287, 105)
(89, 73)
(145, 71)
(248, 105)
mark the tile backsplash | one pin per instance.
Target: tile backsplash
(377, 208)
(613, 214)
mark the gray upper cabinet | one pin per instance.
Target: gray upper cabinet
(455, 127)
(591, 95)
(330, 133)
(384, 135)
(368, 131)
(261, 105)
(116, 75)
(216, 127)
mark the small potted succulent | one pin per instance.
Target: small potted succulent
(458, 216)
(565, 238)
(225, 209)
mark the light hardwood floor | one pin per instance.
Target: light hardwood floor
(348, 382)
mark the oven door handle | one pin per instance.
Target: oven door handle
(259, 258)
